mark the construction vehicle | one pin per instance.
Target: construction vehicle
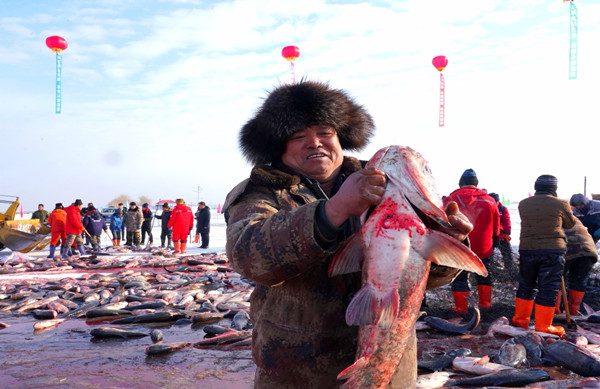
(20, 235)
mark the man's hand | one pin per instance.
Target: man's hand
(360, 191)
(462, 225)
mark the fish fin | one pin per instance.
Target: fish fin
(389, 310)
(447, 251)
(365, 307)
(483, 360)
(349, 257)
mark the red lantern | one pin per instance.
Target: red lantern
(56, 43)
(290, 53)
(440, 62)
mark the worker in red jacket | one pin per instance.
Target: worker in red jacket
(181, 221)
(73, 228)
(482, 212)
(57, 220)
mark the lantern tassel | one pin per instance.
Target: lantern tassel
(293, 73)
(442, 100)
(58, 82)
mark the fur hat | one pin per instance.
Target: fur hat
(495, 196)
(291, 108)
(546, 183)
(468, 178)
(78, 202)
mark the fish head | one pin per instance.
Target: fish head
(407, 170)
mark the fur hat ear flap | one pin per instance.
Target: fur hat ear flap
(291, 108)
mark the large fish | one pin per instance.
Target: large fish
(394, 250)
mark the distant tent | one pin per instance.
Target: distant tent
(161, 202)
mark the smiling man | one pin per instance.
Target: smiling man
(302, 201)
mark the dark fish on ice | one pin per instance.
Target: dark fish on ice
(44, 314)
(241, 321)
(147, 305)
(394, 250)
(213, 329)
(448, 327)
(573, 357)
(156, 336)
(159, 317)
(534, 345)
(443, 361)
(165, 348)
(111, 332)
(103, 312)
(512, 377)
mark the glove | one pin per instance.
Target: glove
(139, 228)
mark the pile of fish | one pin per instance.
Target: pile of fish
(110, 258)
(520, 360)
(197, 290)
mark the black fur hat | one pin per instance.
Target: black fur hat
(291, 108)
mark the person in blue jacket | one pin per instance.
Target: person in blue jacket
(94, 223)
(588, 211)
(117, 227)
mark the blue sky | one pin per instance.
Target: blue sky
(155, 92)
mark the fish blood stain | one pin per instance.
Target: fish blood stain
(390, 218)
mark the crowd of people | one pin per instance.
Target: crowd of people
(74, 227)
(303, 200)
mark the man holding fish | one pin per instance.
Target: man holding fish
(302, 201)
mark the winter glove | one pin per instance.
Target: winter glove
(139, 228)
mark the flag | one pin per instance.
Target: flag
(21, 211)
(219, 208)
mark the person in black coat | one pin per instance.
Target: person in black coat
(165, 232)
(147, 224)
(203, 223)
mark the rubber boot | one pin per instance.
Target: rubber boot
(522, 313)
(52, 249)
(183, 244)
(543, 321)
(196, 238)
(81, 250)
(575, 299)
(64, 252)
(460, 303)
(177, 245)
(557, 305)
(170, 242)
(485, 296)
(118, 242)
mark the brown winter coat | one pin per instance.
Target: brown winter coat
(297, 310)
(133, 219)
(580, 243)
(543, 218)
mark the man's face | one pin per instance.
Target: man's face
(40, 207)
(314, 152)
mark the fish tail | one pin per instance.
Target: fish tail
(365, 307)
(352, 373)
